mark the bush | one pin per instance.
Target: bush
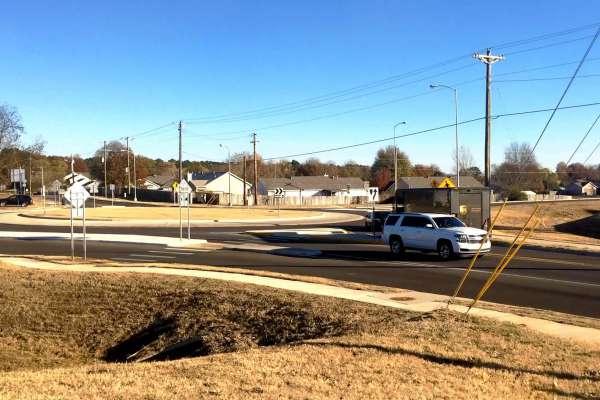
(516, 195)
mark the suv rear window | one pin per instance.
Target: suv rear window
(416, 222)
(392, 219)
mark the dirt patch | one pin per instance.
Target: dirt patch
(435, 355)
(52, 319)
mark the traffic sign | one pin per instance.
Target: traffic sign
(112, 187)
(184, 190)
(17, 175)
(373, 194)
(76, 195)
(279, 192)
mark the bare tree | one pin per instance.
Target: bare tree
(11, 128)
(466, 161)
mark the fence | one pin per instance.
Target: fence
(312, 201)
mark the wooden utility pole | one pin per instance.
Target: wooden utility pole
(488, 59)
(244, 174)
(255, 170)
(180, 151)
(105, 180)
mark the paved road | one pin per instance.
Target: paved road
(554, 281)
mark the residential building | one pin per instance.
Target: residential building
(581, 188)
(422, 182)
(218, 187)
(310, 186)
(159, 182)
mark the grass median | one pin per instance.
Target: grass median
(81, 335)
(172, 213)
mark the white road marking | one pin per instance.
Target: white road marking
(131, 259)
(549, 261)
(170, 252)
(146, 255)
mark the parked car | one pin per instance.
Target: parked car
(375, 219)
(19, 200)
(441, 233)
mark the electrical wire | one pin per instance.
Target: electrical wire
(583, 139)
(429, 130)
(566, 90)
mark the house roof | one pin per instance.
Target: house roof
(161, 180)
(323, 182)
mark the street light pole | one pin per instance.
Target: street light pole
(229, 173)
(455, 128)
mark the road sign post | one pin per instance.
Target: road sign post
(76, 195)
(112, 191)
(279, 194)
(185, 192)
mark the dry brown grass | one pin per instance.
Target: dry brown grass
(172, 213)
(67, 321)
(568, 225)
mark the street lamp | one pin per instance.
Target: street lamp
(129, 150)
(455, 127)
(229, 172)
(396, 157)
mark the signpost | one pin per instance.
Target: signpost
(94, 191)
(185, 192)
(373, 192)
(112, 191)
(279, 194)
(76, 195)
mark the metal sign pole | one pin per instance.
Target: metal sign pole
(112, 203)
(84, 236)
(188, 215)
(72, 242)
(180, 221)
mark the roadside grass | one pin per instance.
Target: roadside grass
(172, 213)
(60, 330)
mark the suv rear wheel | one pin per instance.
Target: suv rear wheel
(396, 246)
(445, 250)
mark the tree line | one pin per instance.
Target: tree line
(519, 170)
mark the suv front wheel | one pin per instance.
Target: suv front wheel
(445, 250)
(396, 246)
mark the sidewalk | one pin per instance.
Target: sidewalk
(410, 300)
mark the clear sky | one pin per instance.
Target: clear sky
(83, 72)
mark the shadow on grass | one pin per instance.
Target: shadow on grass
(571, 395)
(589, 227)
(458, 362)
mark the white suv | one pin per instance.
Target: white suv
(442, 233)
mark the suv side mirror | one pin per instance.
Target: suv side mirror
(429, 226)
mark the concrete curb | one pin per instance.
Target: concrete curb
(415, 301)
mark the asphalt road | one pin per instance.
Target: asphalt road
(549, 280)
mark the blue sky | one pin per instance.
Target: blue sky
(83, 72)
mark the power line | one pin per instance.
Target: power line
(430, 130)
(545, 36)
(566, 90)
(583, 139)
(301, 104)
(556, 78)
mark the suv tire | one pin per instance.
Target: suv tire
(445, 251)
(396, 246)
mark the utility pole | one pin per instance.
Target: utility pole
(180, 148)
(128, 174)
(30, 191)
(244, 174)
(488, 59)
(255, 170)
(105, 181)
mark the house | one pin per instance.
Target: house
(309, 186)
(218, 187)
(159, 182)
(422, 182)
(581, 188)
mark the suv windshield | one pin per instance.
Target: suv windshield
(448, 222)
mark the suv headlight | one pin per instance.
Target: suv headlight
(462, 238)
